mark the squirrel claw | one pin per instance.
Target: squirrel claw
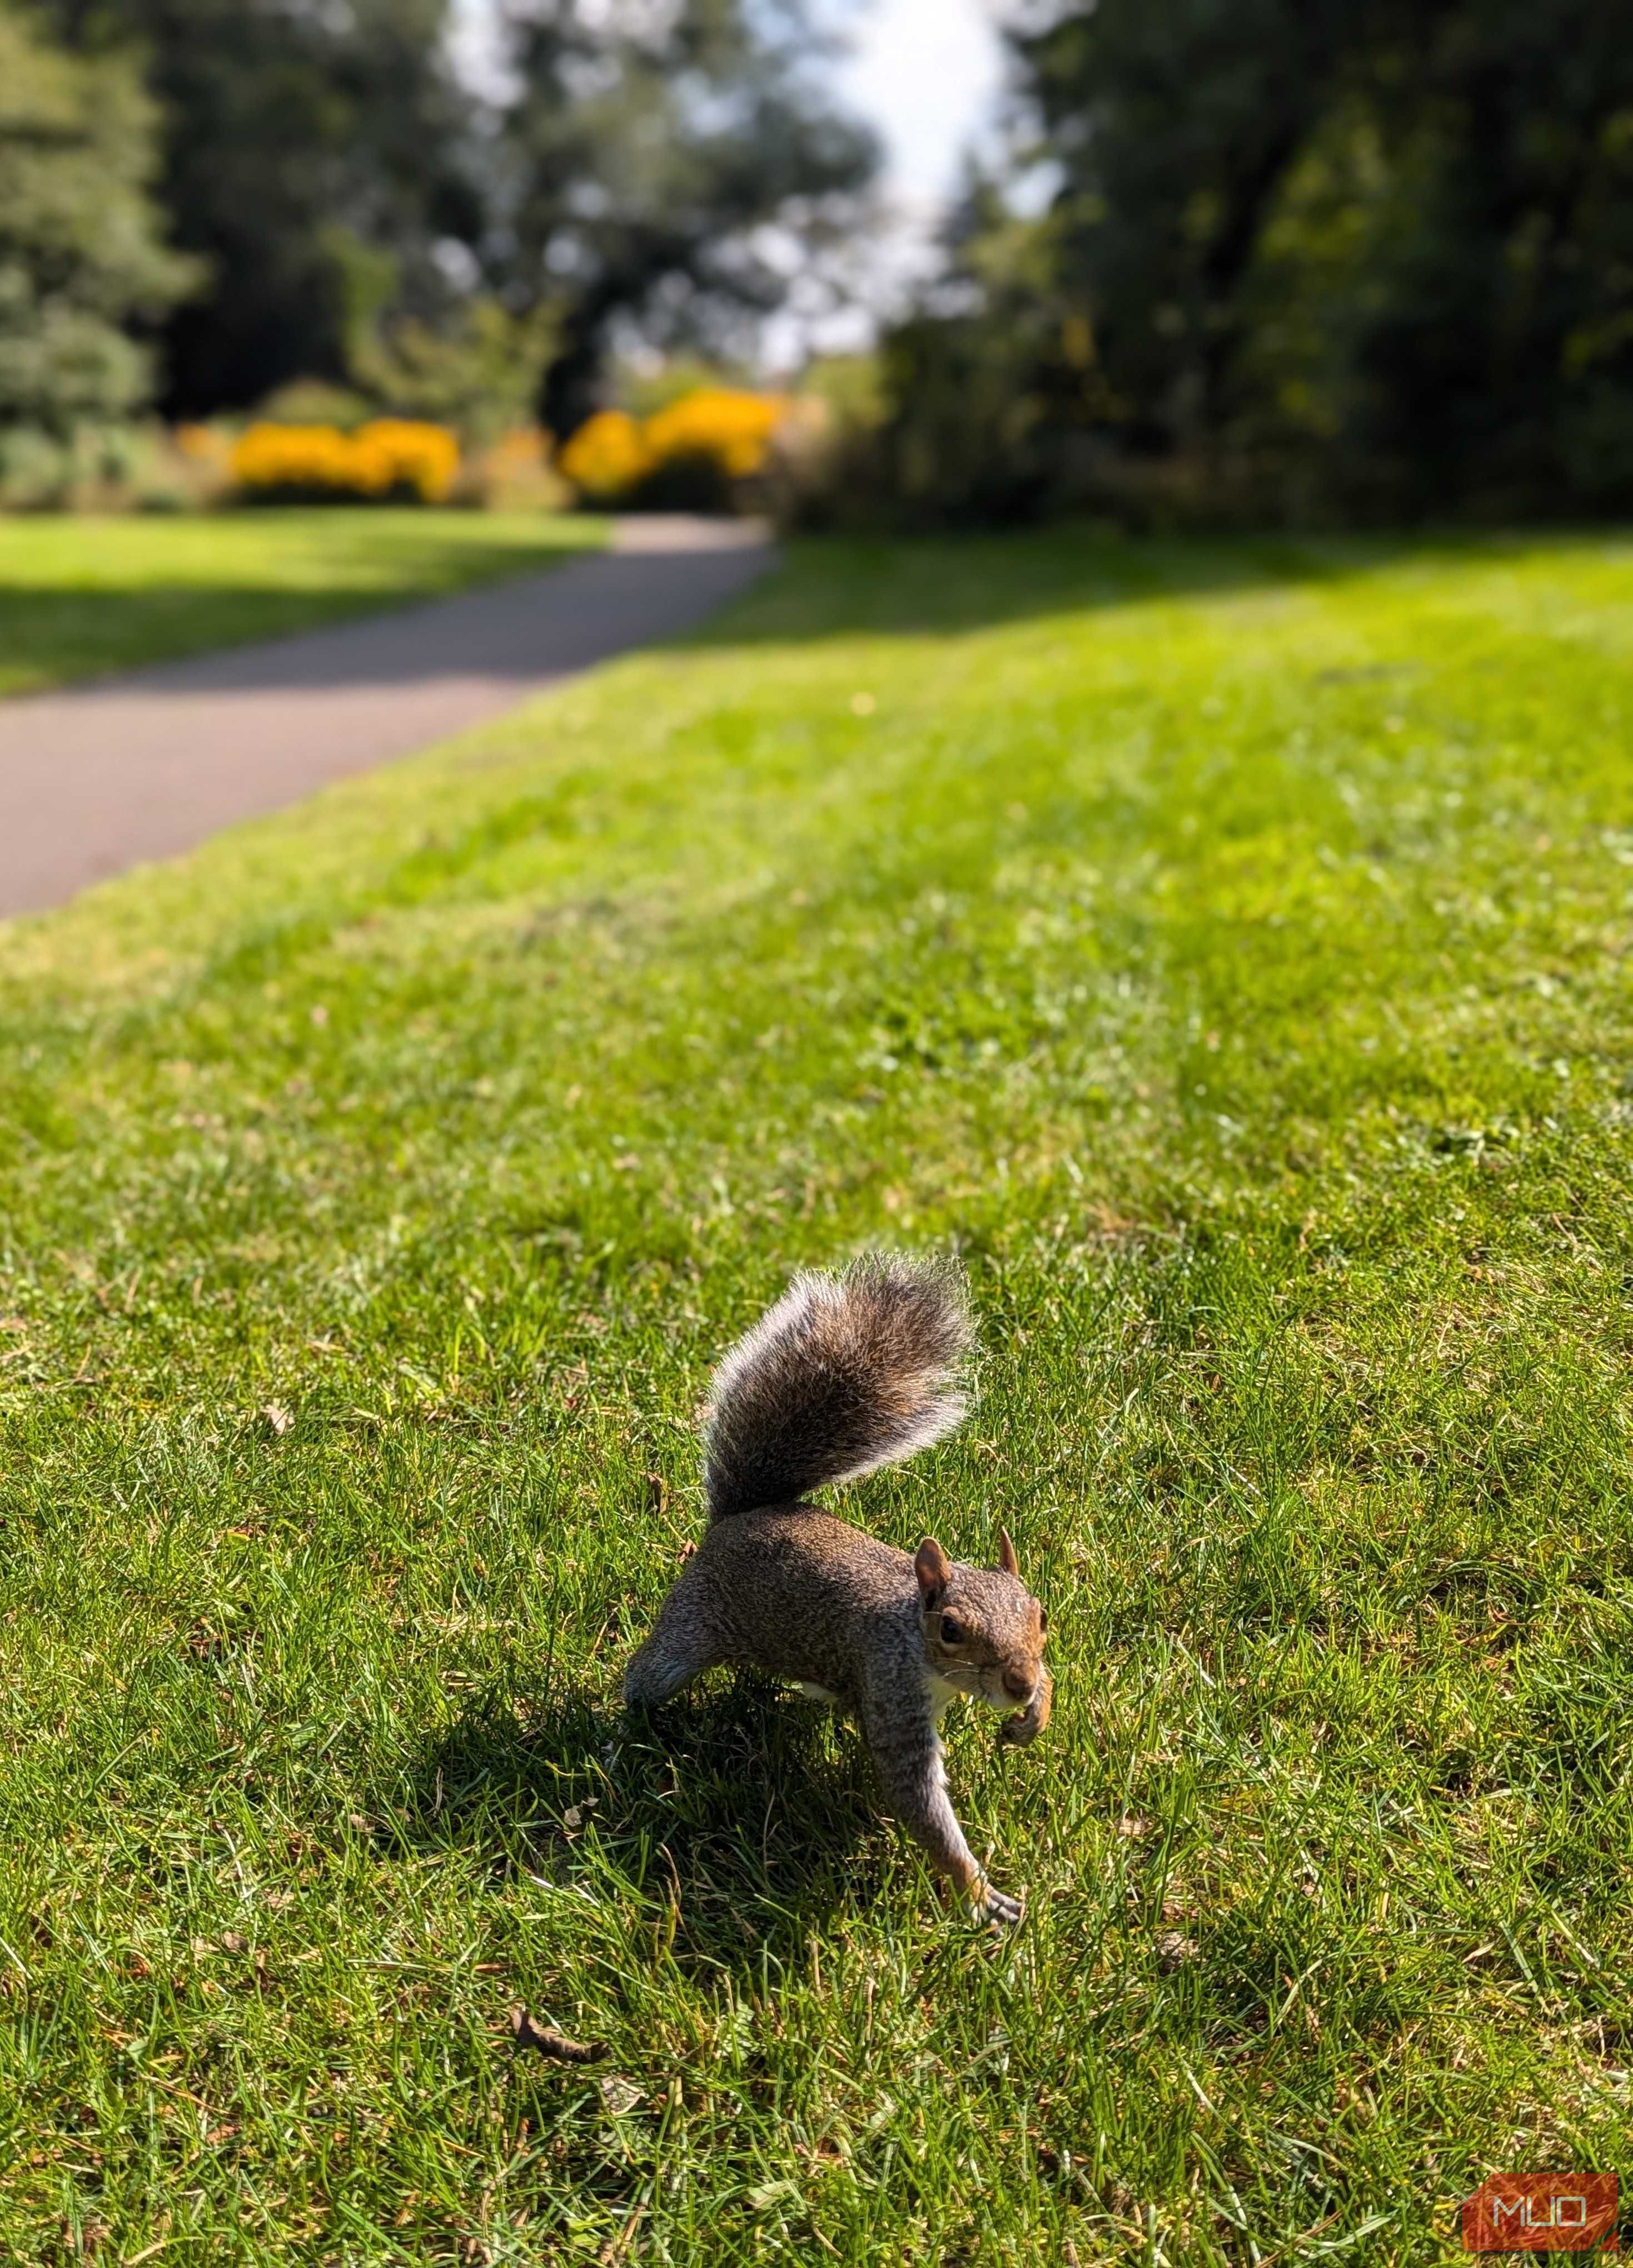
(997, 1906)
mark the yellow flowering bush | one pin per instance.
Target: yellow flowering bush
(423, 458)
(607, 457)
(722, 430)
(733, 428)
(388, 457)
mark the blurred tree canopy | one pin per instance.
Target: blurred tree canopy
(674, 164)
(1340, 258)
(364, 219)
(1335, 258)
(82, 256)
(293, 135)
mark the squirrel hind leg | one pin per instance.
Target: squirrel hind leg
(660, 1670)
(680, 1646)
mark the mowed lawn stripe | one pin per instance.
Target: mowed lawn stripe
(81, 595)
(1221, 947)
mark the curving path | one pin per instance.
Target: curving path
(100, 776)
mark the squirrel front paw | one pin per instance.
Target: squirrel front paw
(997, 1906)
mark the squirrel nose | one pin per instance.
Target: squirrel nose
(1017, 1685)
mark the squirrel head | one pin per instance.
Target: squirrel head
(983, 1630)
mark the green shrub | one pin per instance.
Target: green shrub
(81, 254)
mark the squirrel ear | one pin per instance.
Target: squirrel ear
(1007, 1560)
(932, 1567)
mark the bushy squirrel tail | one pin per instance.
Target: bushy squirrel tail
(846, 1373)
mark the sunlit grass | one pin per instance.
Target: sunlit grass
(1224, 948)
(80, 594)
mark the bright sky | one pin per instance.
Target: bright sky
(927, 74)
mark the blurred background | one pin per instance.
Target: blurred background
(917, 262)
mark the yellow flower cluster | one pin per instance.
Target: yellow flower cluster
(735, 429)
(607, 457)
(391, 456)
(613, 453)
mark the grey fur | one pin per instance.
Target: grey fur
(846, 1373)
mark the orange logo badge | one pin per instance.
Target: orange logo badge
(1542, 2212)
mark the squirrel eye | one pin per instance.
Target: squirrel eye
(952, 1629)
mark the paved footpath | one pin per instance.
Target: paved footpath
(100, 776)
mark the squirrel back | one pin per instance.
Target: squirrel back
(846, 1373)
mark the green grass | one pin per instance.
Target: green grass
(1225, 947)
(80, 595)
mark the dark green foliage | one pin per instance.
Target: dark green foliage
(1174, 123)
(80, 249)
(1444, 293)
(982, 409)
(645, 149)
(1362, 258)
(1502, 342)
(298, 139)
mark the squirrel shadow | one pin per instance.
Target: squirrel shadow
(738, 1815)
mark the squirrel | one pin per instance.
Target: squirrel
(846, 1373)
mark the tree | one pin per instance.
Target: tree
(81, 254)
(299, 141)
(1385, 245)
(1173, 123)
(983, 401)
(669, 161)
(1491, 351)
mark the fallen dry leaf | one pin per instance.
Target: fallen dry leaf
(550, 2042)
(277, 1416)
(1174, 1948)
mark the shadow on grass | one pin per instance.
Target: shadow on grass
(845, 586)
(739, 1814)
(840, 586)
